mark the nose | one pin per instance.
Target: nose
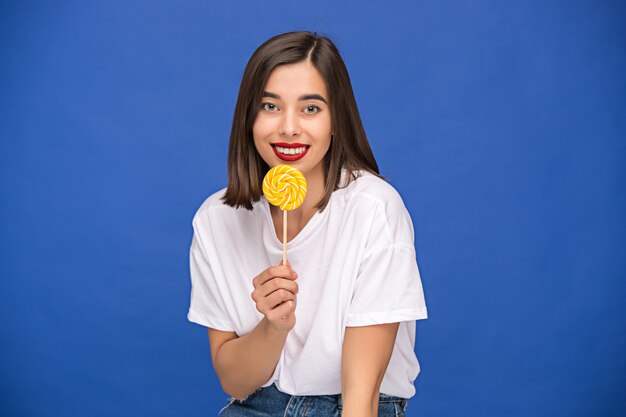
(289, 125)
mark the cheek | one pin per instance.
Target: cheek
(319, 128)
(258, 129)
(262, 127)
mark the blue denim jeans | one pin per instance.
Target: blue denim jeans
(270, 402)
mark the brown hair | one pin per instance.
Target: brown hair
(349, 147)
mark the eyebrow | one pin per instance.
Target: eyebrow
(301, 98)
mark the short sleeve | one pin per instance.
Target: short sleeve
(388, 286)
(206, 307)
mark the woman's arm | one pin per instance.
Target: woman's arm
(365, 356)
(244, 364)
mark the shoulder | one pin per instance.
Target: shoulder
(210, 204)
(214, 214)
(368, 186)
(390, 215)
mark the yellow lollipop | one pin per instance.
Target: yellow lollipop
(284, 186)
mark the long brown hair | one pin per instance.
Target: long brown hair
(349, 147)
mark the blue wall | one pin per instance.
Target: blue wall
(502, 125)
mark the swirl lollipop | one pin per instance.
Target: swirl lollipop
(284, 186)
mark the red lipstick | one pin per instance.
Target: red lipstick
(290, 158)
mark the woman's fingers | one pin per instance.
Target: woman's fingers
(275, 295)
(276, 271)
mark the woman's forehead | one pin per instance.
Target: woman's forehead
(293, 82)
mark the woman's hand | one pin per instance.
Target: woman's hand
(275, 294)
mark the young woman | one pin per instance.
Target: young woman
(332, 332)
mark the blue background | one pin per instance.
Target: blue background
(501, 124)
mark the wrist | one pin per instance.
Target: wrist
(359, 404)
(273, 331)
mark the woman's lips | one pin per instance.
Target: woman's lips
(290, 158)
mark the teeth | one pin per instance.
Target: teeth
(291, 151)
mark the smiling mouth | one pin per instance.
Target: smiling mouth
(286, 154)
(290, 151)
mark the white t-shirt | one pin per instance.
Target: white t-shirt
(356, 266)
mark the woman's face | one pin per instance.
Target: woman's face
(293, 115)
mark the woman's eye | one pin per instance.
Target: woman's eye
(268, 106)
(308, 109)
(317, 109)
